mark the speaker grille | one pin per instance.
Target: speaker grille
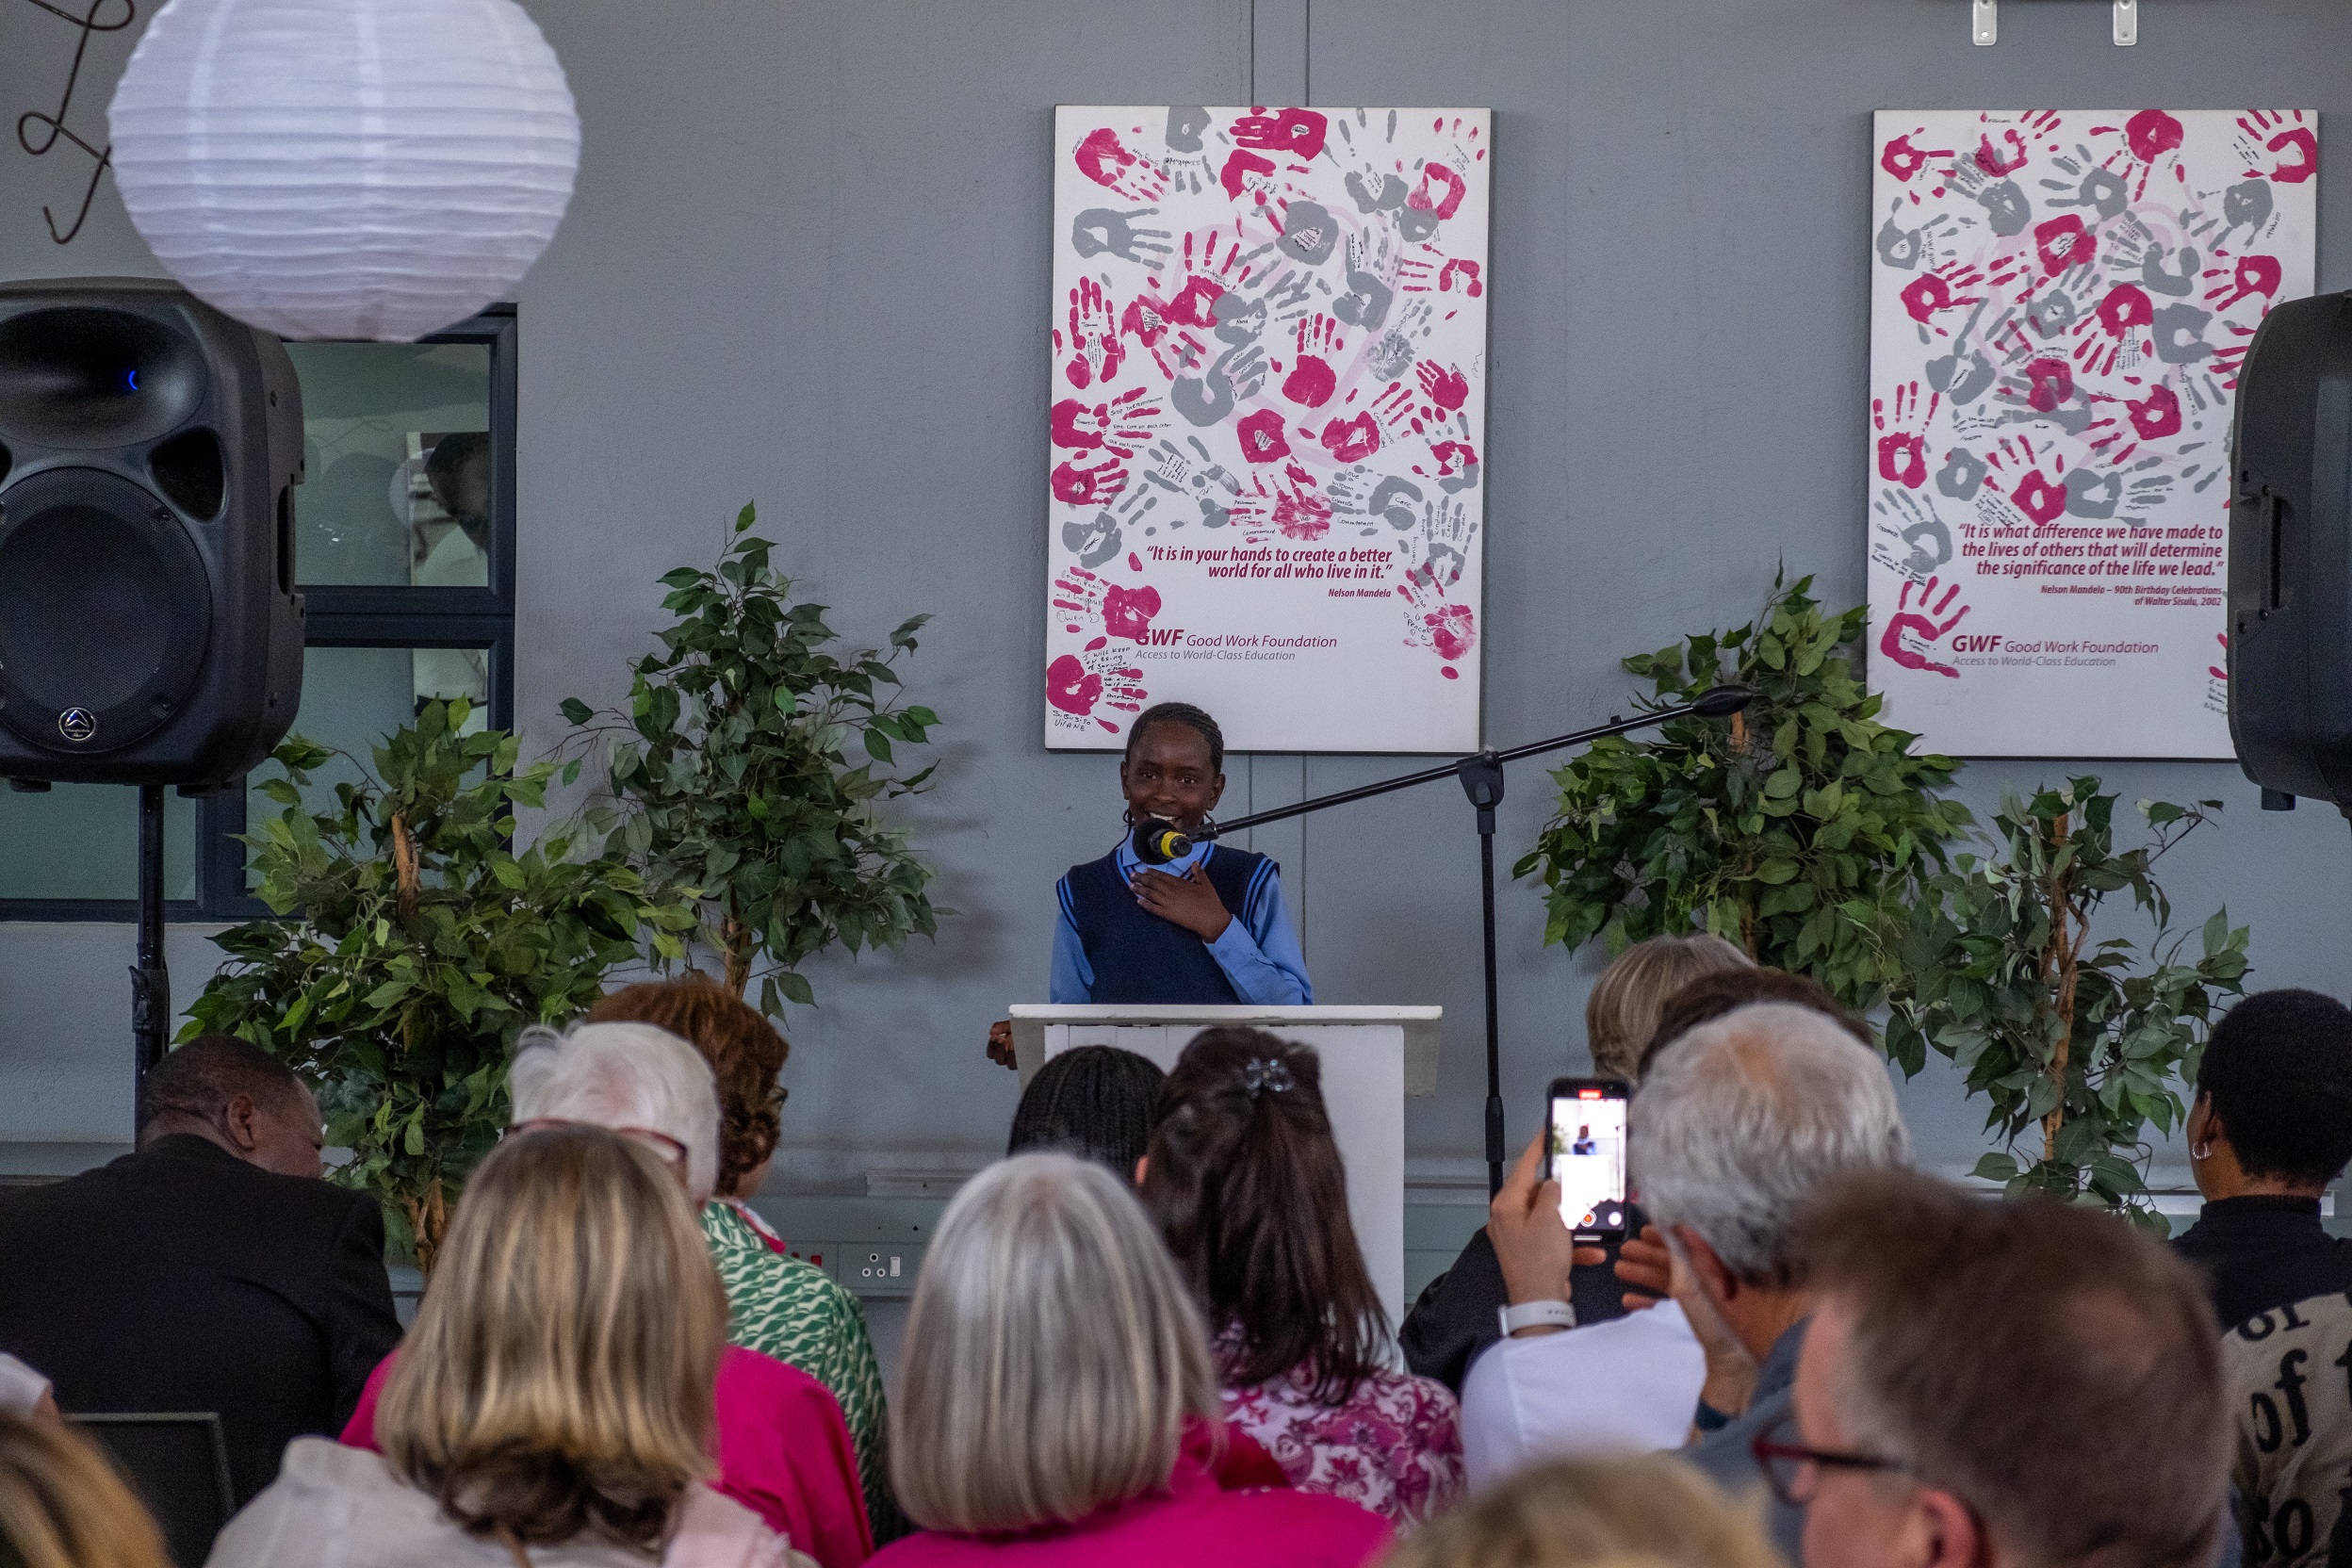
(86, 379)
(105, 611)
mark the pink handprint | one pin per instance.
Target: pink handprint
(2040, 499)
(1430, 621)
(1104, 160)
(2006, 159)
(2254, 275)
(1261, 436)
(1940, 289)
(1921, 622)
(2215, 670)
(2291, 134)
(1352, 440)
(1903, 160)
(1121, 424)
(1246, 170)
(1311, 380)
(1902, 445)
(1395, 408)
(1297, 132)
(1081, 487)
(1093, 336)
(2159, 416)
(1445, 385)
(1293, 507)
(2063, 242)
(1078, 683)
(1444, 206)
(1120, 611)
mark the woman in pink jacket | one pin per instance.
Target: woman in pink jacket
(1053, 1366)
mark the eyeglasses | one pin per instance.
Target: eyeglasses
(664, 1148)
(1790, 1468)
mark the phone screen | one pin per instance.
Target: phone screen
(1588, 1156)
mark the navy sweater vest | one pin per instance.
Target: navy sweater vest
(1142, 960)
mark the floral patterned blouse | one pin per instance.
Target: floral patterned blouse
(1393, 1446)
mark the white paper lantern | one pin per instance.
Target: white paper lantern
(369, 169)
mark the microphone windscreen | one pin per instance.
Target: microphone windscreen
(1717, 702)
(1157, 842)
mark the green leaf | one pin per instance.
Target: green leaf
(576, 712)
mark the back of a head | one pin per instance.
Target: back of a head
(1051, 1355)
(1646, 1511)
(2054, 1368)
(622, 1076)
(1622, 1013)
(1250, 1192)
(558, 1380)
(1738, 1128)
(2279, 1067)
(1710, 996)
(746, 1051)
(1094, 1101)
(197, 1081)
(62, 1505)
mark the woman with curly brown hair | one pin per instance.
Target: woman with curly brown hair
(779, 1305)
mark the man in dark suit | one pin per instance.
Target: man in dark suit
(211, 1270)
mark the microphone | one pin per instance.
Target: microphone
(1158, 843)
(1718, 702)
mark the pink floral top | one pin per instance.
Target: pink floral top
(1393, 1446)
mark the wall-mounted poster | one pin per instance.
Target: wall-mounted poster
(1269, 409)
(2060, 300)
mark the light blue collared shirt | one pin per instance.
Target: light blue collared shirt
(1259, 951)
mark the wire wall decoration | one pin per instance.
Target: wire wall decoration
(39, 132)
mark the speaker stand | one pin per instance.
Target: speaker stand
(150, 983)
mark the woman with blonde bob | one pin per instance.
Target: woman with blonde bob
(553, 1402)
(1055, 1403)
(1650, 1512)
(62, 1504)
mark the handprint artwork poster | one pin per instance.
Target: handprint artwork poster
(1268, 406)
(2060, 301)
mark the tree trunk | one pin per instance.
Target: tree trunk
(428, 1222)
(736, 944)
(404, 869)
(2059, 973)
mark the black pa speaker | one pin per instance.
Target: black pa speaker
(2291, 552)
(149, 628)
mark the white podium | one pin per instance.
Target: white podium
(1372, 1058)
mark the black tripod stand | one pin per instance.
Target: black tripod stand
(1481, 777)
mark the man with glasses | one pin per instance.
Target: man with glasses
(1999, 1383)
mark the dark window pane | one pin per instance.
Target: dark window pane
(81, 841)
(397, 491)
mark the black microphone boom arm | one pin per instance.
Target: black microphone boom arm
(1715, 702)
(1481, 776)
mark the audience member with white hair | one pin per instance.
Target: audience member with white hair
(1055, 1403)
(1738, 1126)
(783, 1449)
(782, 1306)
(1998, 1384)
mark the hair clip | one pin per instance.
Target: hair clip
(1265, 1072)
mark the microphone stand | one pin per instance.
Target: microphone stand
(1481, 779)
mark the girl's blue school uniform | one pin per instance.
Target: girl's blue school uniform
(1109, 949)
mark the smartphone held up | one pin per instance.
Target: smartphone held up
(1584, 1143)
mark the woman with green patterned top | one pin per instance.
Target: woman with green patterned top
(779, 1305)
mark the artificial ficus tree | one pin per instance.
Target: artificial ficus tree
(730, 772)
(2078, 1044)
(423, 938)
(1802, 829)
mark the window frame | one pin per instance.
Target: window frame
(357, 616)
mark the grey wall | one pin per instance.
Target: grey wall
(808, 263)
